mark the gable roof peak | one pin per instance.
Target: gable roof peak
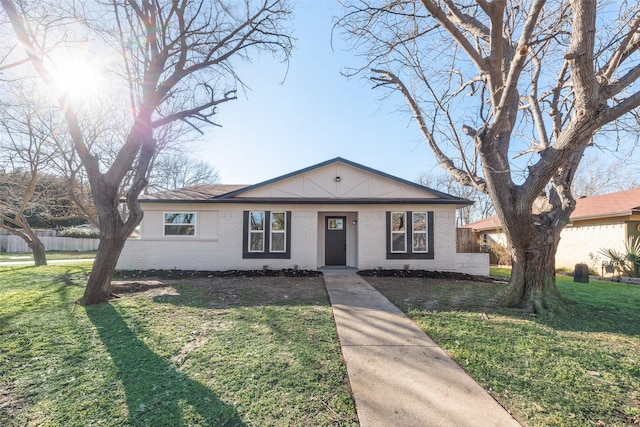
(438, 194)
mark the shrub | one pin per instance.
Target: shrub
(498, 254)
(628, 262)
(79, 233)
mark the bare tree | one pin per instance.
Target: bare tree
(171, 171)
(508, 94)
(99, 133)
(23, 158)
(176, 60)
(595, 177)
(481, 208)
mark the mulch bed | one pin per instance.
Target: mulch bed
(426, 274)
(180, 274)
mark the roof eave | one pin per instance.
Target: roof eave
(602, 216)
(459, 203)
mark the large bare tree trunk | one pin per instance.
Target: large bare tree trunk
(104, 266)
(114, 230)
(113, 236)
(533, 279)
(532, 103)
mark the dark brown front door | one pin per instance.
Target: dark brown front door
(335, 241)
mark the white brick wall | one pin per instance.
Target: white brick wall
(225, 253)
(476, 264)
(373, 245)
(366, 247)
(577, 242)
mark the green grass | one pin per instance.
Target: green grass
(193, 354)
(51, 255)
(176, 357)
(578, 368)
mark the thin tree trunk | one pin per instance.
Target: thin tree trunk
(34, 243)
(29, 236)
(39, 252)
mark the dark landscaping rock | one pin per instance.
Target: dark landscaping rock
(181, 274)
(427, 274)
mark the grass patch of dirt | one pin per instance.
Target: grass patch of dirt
(227, 290)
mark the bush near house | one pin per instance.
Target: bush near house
(80, 232)
(498, 254)
(625, 263)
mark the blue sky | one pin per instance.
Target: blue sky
(315, 115)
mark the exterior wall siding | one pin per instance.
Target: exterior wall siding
(217, 244)
(576, 243)
(223, 253)
(372, 245)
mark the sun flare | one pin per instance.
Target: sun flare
(79, 78)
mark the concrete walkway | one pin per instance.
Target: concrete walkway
(398, 375)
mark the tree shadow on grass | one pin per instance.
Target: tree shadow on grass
(156, 393)
(607, 308)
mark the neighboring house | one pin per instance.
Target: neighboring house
(598, 222)
(336, 213)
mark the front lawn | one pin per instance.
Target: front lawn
(580, 368)
(217, 352)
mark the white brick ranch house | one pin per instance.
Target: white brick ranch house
(335, 213)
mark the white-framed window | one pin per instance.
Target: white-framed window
(419, 232)
(256, 231)
(410, 235)
(398, 232)
(278, 241)
(179, 224)
(266, 234)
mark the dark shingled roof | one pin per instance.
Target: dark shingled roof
(234, 193)
(189, 194)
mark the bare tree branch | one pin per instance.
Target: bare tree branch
(178, 62)
(468, 78)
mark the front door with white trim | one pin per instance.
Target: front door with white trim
(335, 252)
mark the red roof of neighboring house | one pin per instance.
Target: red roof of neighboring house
(608, 205)
(490, 223)
(622, 203)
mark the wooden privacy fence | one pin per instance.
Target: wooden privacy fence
(14, 244)
(466, 241)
